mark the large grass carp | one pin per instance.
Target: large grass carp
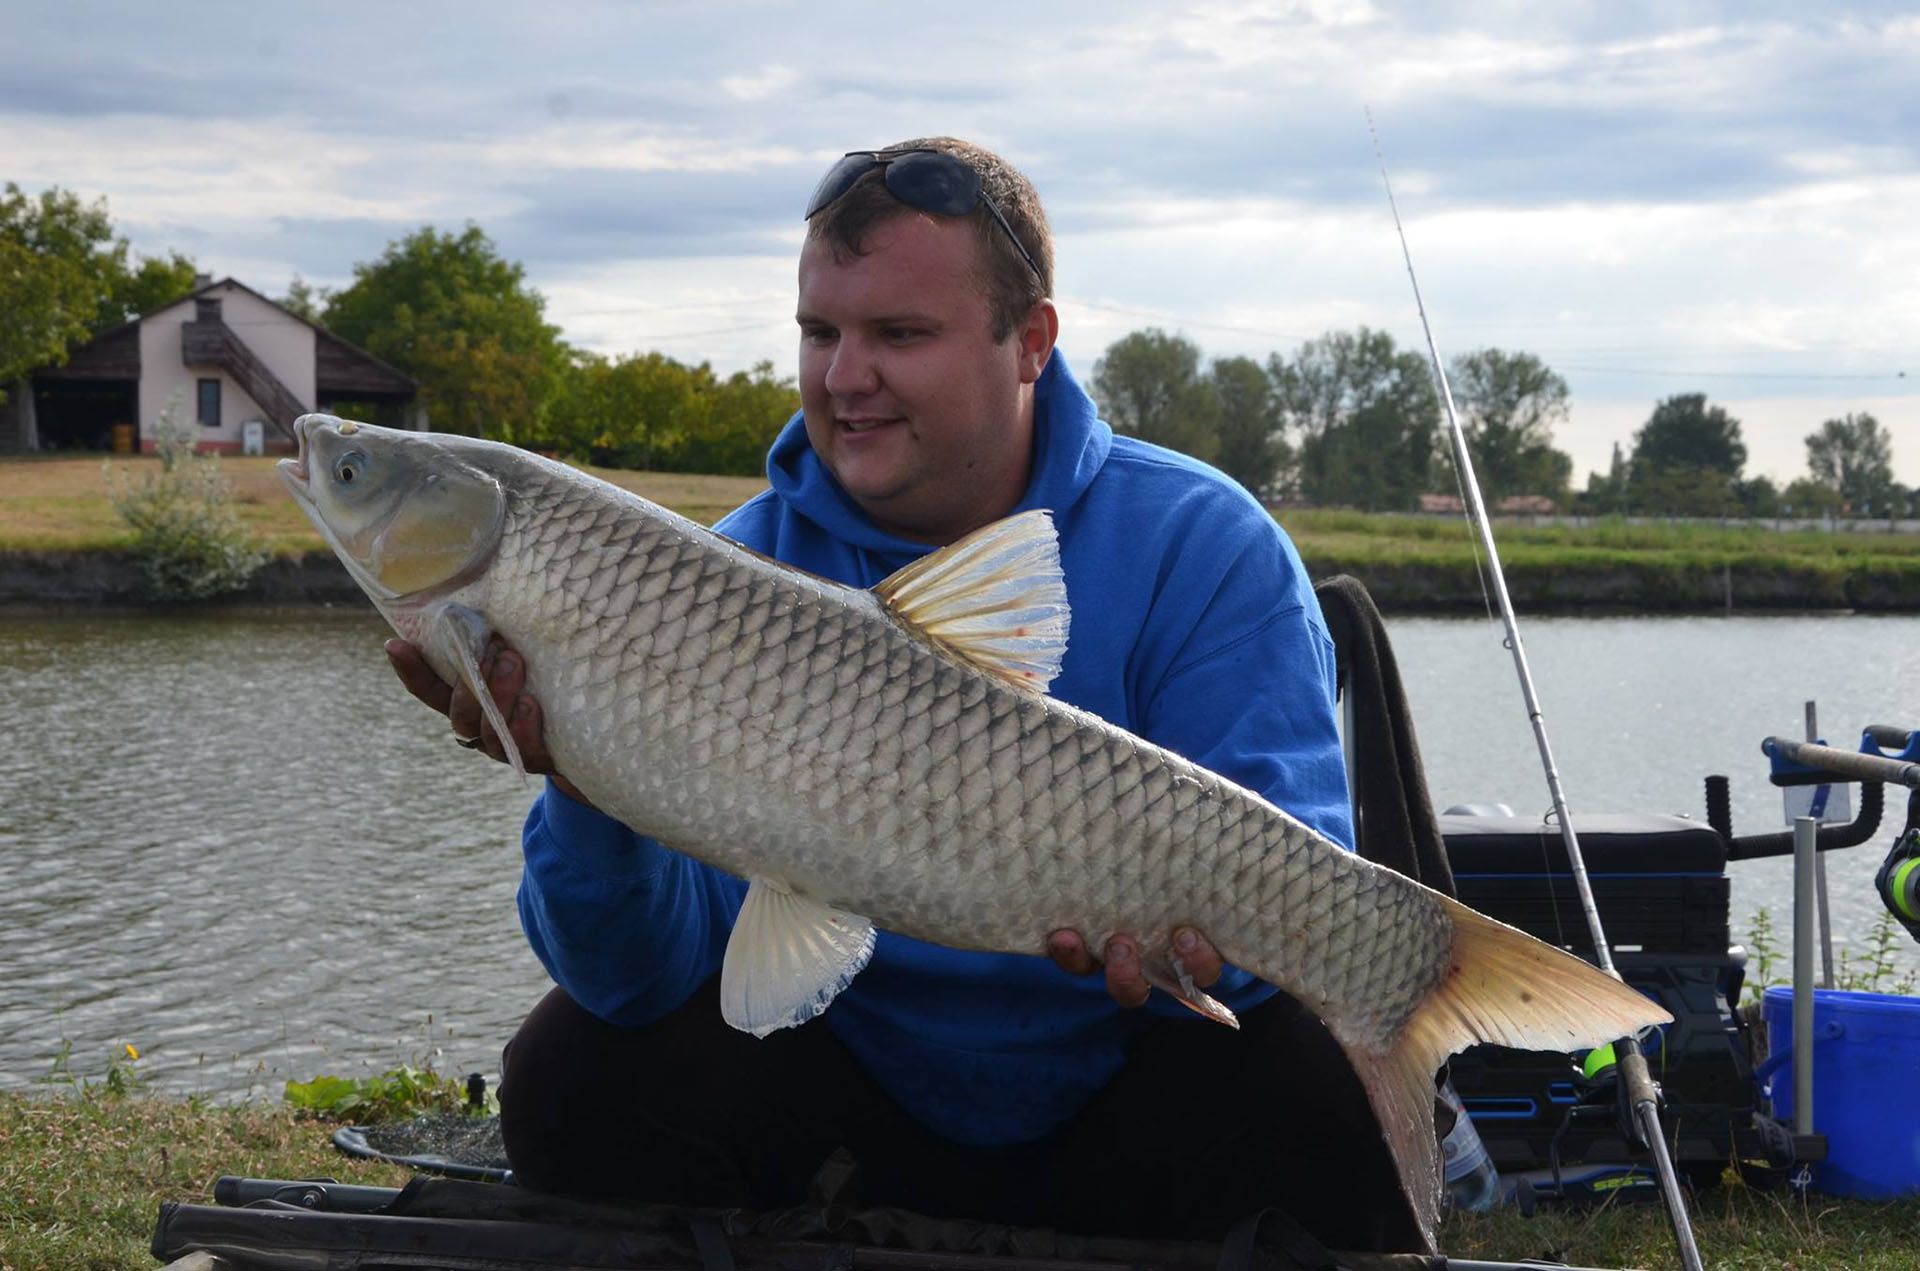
(889, 758)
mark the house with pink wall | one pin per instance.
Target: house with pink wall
(240, 366)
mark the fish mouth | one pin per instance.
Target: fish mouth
(293, 472)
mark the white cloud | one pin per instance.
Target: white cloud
(1713, 198)
(767, 82)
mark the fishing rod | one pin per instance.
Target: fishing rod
(1632, 1062)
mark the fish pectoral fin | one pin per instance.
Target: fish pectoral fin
(1176, 983)
(461, 633)
(788, 957)
(996, 598)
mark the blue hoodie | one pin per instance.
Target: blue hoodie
(1193, 625)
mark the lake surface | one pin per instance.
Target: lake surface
(235, 843)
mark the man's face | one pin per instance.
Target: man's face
(924, 419)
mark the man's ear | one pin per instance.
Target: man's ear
(1036, 339)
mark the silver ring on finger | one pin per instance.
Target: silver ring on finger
(470, 743)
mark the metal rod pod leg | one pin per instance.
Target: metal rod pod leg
(1804, 830)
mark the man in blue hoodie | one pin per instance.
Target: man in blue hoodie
(981, 1085)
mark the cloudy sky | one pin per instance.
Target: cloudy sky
(1655, 198)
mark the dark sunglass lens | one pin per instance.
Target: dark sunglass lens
(838, 180)
(934, 182)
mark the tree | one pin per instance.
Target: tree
(65, 277)
(1368, 418)
(1806, 498)
(1148, 385)
(645, 410)
(1607, 495)
(1758, 497)
(749, 409)
(1252, 447)
(1853, 457)
(1687, 459)
(632, 411)
(153, 284)
(1685, 432)
(447, 310)
(1508, 405)
(304, 299)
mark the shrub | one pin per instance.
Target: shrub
(190, 543)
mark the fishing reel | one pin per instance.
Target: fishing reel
(1898, 881)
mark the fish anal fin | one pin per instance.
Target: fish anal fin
(788, 957)
(1178, 984)
(1500, 986)
(460, 634)
(996, 598)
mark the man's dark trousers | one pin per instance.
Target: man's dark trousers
(1203, 1126)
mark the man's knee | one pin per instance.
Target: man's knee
(684, 1108)
(551, 1091)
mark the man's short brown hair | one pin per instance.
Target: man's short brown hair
(1011, 287)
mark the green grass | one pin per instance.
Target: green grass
(82, 1173)
(1736, 1228)
(58, 504)
(1408, 560)
(1612, 532)
(84, 1170)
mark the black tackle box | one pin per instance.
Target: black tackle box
(1660, 885)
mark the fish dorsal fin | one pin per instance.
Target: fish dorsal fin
(788, 957)
(996, 598)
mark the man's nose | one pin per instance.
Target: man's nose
(852, 372)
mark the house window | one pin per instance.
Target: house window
(210, 403)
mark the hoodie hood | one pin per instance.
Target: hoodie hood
(1070, 443)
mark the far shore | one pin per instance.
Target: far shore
(62, 546)
(94, 578)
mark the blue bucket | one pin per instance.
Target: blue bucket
(1866, 1072)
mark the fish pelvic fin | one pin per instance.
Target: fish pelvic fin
(996, 598)
(1502, 987)
(461, 633)
(1173, 980)
(788, 957)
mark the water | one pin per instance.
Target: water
(236, 844)
(1640, 710)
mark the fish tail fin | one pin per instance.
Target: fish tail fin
(1502, 987)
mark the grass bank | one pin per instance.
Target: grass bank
(1433, 562)
(83, 1172)
(59, 502)
(56, 525)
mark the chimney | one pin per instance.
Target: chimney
(202, 281)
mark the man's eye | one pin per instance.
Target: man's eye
(900, 333)
(817, 335)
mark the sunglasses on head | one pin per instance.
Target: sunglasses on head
(930, 180)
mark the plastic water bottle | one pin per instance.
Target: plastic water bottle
(1472, 1182)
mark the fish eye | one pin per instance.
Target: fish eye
(349, 467)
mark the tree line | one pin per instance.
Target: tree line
(1350, 420)
(444, 308)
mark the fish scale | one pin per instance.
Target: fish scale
(816, 738)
